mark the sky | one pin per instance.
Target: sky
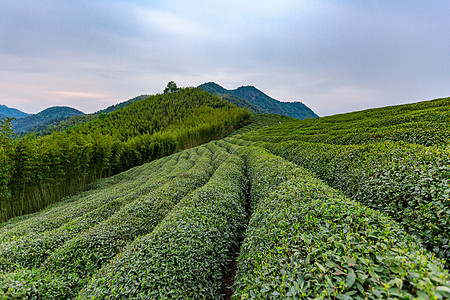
(335, 56)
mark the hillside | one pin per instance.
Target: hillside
(239, 102)
(11, 112)
(425, 123)
(395, 159)
(63, 124)
(263, 213)
(50, 114)
(292, 109)
(121, 104)
(40, 171)
(218, 221)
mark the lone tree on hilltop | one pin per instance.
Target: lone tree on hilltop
(171, 88)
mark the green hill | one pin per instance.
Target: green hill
(263, 213)
(425, 123)
(239, 102)
(61, 124)
(40, 171)
(257, 98)
(64, 123)
(395, 159)
(11, 112)
(121, 104)
(51, 114)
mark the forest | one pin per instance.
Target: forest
(38, 171)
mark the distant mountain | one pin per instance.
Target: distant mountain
(62, 124)
(256, 97)
(6, 111)
(239, 102)
(43, 117)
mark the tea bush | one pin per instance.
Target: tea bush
(409, 182)
(306, 240)
(186, 255)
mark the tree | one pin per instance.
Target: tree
(171, 88)
(6, 132)
(6, 152)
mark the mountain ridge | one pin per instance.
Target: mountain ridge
(11, 112)
(44, 116)
(295, 109)
(61, 124)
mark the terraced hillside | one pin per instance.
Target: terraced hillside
(395, 159)
(244, 217)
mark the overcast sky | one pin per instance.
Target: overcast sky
(334, 56)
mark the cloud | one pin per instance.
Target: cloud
(77, 95)
(358, 53)
(345, 99)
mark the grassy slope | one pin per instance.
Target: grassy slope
(424, 123)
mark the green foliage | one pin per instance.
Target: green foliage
(407, 180)
(47, 168)
(167, 229)
(6, 132)
(71, 253)
(425, 123)
(49, 115)
(6, 168)
(65, 123)
(171, 88)
(185, 256)
(307, 241)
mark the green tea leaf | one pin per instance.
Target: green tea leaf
(350, 279)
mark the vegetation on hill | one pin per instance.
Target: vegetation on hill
(47, 115)
(239, 102)
(292, 109)
(263, 213)
(121, 105)
(167, 229)
(425, 123)
(394, 158)
(306, 240)
(41, 171)
(59, 125)
(6, 111)
(63, 123)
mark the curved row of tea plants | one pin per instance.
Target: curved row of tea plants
(129, 183)
(425, 123)
(61, 269)
(186, 255)
(306, 240)
(31, 250)
(409, 182)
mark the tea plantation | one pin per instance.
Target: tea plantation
(353, 206)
